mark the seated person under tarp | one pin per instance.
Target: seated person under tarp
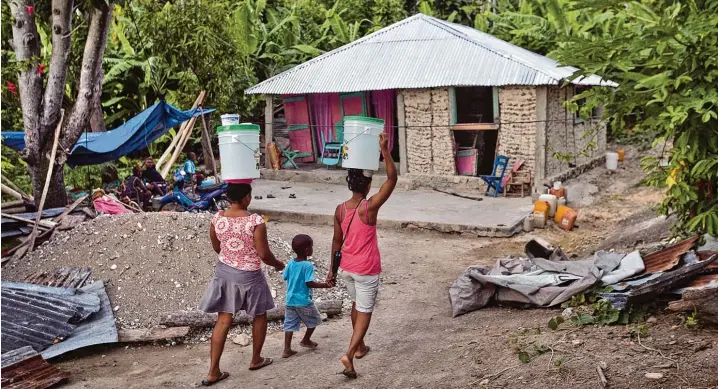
(111, 183)
(153, 179)
(136, 190)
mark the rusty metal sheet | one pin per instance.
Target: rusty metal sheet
(30, 371)
(703, 281)
(39, 316)
(667, 258)
(668, 281)
(62, 277)
(703, 255)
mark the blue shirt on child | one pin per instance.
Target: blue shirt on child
(297, 274)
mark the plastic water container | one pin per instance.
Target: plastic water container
(361, 142)
(552, 201)
(611, 160)
(229, 119)
(239, 151)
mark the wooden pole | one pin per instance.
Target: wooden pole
(11, 192)
(47, 181)
(17, 188)
(41, 223)
(177, 136)
(268, 128)
(208, 139)
(182, 141)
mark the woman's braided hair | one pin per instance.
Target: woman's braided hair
(357, 181)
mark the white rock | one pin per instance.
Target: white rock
(274, 293)
(242, 340)
(116, 308)
(113, 267)
(654, 376)
(651, 320)
(577, 342)
(567, 312)
(324, 317)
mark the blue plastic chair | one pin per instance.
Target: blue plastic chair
(494, 182)
(332, 149)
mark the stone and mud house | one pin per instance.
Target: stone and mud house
(452, 98)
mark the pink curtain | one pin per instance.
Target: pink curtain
(321, 105)
(383, 103)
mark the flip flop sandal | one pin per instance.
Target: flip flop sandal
(350, 373)
(270, 196)
(257, 197)
(286, 187)
(210, 383)
(365, 353)
(265, 362)
(292, 196)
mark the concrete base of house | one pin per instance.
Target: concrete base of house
(418, 209)
(406, 181)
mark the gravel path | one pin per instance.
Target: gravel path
(154, 263)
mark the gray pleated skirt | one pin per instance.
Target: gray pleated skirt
(232, 290)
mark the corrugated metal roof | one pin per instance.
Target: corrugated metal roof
(668, 257)
(29, 371)
(62, 277)
(421, 52)
(38, 316)
(99, 328)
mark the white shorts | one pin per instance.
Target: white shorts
(362, 290)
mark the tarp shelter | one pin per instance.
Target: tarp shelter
(94, 148)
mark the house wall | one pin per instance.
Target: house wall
(429, 141)
(564, 135)
(517, 118)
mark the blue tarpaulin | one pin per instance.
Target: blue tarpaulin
(94, 148)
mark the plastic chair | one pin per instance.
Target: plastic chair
(495, 180)
(290, 155)
(332, 149)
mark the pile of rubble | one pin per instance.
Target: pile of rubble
(547, 278)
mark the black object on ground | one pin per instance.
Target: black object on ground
(292, 196)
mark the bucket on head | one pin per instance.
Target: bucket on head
(229, 119)
(611, 160)
(239, 154)
(361, 142)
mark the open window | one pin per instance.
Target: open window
(474, 122)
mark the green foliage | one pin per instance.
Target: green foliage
(554, 322)
(638, 331)
(692, 322)
(663, 56)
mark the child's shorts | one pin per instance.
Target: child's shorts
(308, 315)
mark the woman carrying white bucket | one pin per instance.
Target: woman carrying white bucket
(356, 251)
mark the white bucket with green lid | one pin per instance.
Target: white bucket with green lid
(239, 153)
(361, 142)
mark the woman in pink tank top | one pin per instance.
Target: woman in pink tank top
(355, 237)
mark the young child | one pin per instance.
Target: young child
(300, 307)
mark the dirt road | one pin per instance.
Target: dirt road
(416, 344)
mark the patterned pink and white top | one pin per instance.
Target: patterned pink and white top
(236, 238)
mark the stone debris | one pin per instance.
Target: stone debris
(167, 263)
(654, 376)
(242, 340)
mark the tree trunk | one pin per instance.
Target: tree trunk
(97, 118)
(56, 194)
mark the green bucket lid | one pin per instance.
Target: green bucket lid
(238, 127)
(366, 119)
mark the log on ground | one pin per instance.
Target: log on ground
(151, 334)
(199, 319)
(702, 301)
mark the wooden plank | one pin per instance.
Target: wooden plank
(208, 139)
(42, 223)
(268, 126)
(10, 192)
(48, 177)
(151, 334)
(17, 188)
(475, 127)
(401, 123)
(177, 136)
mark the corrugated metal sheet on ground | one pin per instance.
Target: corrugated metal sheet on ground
(703, 255)
(29, 371)
(62, 277)
(38, 316)
(421, 52)
(704, 281)
(668, 257)
(99, 328)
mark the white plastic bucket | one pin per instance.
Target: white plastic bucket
(229, 119)
(611, 160)
(361, 142)
(239, 151)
